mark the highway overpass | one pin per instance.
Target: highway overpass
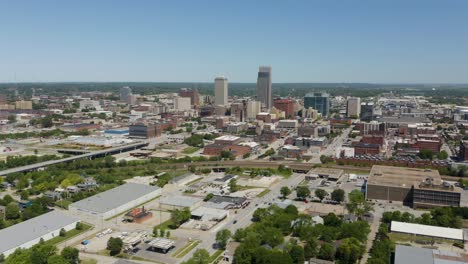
(90, 155)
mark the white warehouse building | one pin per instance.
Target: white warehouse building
(114, 201)
(28, 233)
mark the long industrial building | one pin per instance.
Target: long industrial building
(420, 188)
(28, 233)
(115, 201)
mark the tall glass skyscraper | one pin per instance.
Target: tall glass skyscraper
(318, 101)
(264, 86)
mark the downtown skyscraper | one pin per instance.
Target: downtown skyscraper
(264, 86)
(221, 91)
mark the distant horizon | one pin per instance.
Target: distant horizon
(208, 82)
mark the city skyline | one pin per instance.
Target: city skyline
(306, 42)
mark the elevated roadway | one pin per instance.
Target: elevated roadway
(90, 155)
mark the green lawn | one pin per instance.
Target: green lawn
(263, 193)
(181, 252)
(216, 255)
(72, 233)
(165, 225)
(190, 150)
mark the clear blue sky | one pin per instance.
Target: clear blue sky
(417, 41)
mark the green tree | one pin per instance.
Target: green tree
(12, 119)
(326, 252)
(350, 251)
(62, 232)
(79, 226)
(41, 252)
(208, 197)
(57, 259)
(442, 155)
(179, 217)
(201, 256)
(358, 204)
(285, 191)
(19, 256)
(302, 192)
(222, 237)
(12, 211)
(338, 195)
(114, 245)
(310, 248)
(297, 254)
(233, 185)
(321, 193)
(426, 154)
(71, 255)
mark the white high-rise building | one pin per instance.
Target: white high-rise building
(221, 91)
(253, 108)
(353, 107)
(264, 86)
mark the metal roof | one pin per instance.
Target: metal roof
(16, 235)
(162, 243)
(413, 255)
(179, 200)
(113, 198)
(427, 230)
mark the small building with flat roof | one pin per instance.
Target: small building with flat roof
(162, 245)
(28, 233)
(427, 231)
(179, 202)
(324, 173)
(209, 214)
(115, 201)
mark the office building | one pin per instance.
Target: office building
(143, 131)
(221, 91)
(353, 107)
(420, 188)
(264, 86)
(367, 111)
(253, 108)
(285, 105)
(463, 155)
(319, 102)
(125, 93)
(23, 105)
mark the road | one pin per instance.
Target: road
(83, 156)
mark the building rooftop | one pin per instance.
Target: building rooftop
(16, 235)
(162, 243)
(327, 172)
(179, 200)
(227, 138)
(113, 198)
(401, 177)
(414, 255)
(427, 230)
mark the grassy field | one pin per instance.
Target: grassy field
(164, 225)
(190, 150)
(68, 235)
(216, 255)
(263, 193)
